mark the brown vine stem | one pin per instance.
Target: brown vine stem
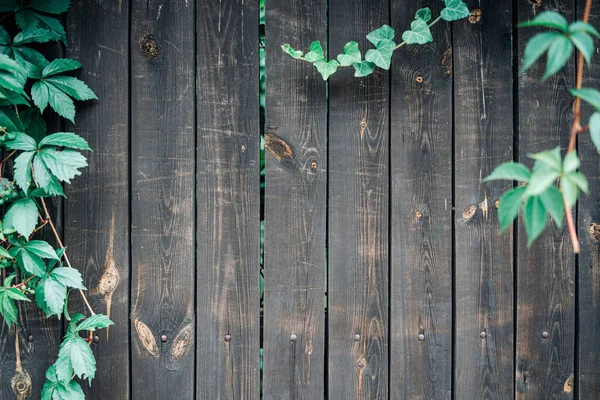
(60, 243)
(18, 366)
(575, 129)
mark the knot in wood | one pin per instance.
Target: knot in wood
(469, 212)
(278, 147)
(149, 46)
(475, 16)
(595, 232)
(21, 385)
(419, 79)
(361, 362)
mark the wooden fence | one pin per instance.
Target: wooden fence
(384, 274)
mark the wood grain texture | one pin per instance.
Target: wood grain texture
(588, 349)
(163, 206)
(228, 210)
(97, 205)
(295, 201)
(546, 270)
(358, 265)
(421, 165)
(483, 126)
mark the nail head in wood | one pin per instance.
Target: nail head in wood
(356, 337)
(96, 339)
(30, 338)
(227, 338)
(419, 214)
(483, 335)
(421, 337)
(545, 335)
(293, 337)
(163, 338)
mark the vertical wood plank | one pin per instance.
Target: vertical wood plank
(163, 207)
(228, 210)
(358, 268)
(97, 205)
(295, 203)
(587, 382)
(546, 270)
(483, 108)
(421, 265)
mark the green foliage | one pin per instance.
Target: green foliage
(41, 161)
(383, 40)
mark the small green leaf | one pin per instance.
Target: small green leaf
(21, 141)
(23, 170)
(553, 202)
(363, 68)
(35, 35)
(419, 33)
(64, 164)
(4, 253)
(315, 53)
(578, 179)
(589, 95)
(542, 178)
(510, 204)
(41, 249)
(61, 103)
(40, 95)
(580, 26)
(68, 277)
(326, 69)
(351, 55)
(65, 139)
(385, 33)
(291, 51)
(60, 65)
(512, 171)
(559, 53)
(569, 190)
(8, 309)
(16, 294)
(423, 14)
(549, 157)
(73, 87)
(595, 129)
(31, 263)
(75, 357)
(534, 216)
(50, 7)
(382, 55)
(536, 46)
(50, 295)
(22, 215)
(41, 175)
(548, 19)
(455, 10)
(585, 44)
(571, 162)
(94, 322)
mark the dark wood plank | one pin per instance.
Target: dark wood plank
(97, 205)
(588, 350)
(483, 126)
(163, 206)
(295, 204)
(358, 269)
(546, 270)
(421, 265)
(228, 201)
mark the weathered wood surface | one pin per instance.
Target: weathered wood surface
(546, 270)
(421, 214)
(162, 199)
(358, 264)
(483, 126)
(228, 209)
(295, 201)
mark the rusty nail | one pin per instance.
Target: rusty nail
(163, 338)
(419, 79)
(545, 334)
(421, 337)
(483, 334)
(293, 337)
(227, 338)
(419, 214)
(356, 337)
(96, 339)
(30, 338)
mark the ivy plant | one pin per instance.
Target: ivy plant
(34, 167)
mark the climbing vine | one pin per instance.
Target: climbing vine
(551, 188)
(35, 165)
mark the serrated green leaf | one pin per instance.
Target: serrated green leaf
(9, 311)
(569, 190)
(551, 158)
(351, 55)
(40, 95)
(578, 179)
(291, 51)
(33, 123)
(509, 206)
(559, 52)
(455, 10)
(22, 170)
(41, 175)
(326, 69)
(382, 55)
(385, 33)
(423, 14)
(31, 263)
(75, 357)
(548, 19)
(22, 141)
(589, 95)
(511, 170)
(419, 33)
(10, 120)
(64, 164)
(50, 295)
(315, 53)
(363, 68)
(580, 26)
(35, 35)
(585, 44)
(60, 65)
(536, 46)
(68, 277)
(534, 216)
(65, 139)
(61, 103)
(542, 178)
(51, 7)
(553, 202)
(16, 294)
(571, 162)
(73, 87)
(595, 130)
(94, 322)
(4, 253)
(41, 249)
(22, 215)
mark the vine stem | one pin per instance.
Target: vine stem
(60, 243)
(575, 129)
(18, 366)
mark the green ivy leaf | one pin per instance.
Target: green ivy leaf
(22, 216)
(511, 170)
(547, 19)
(595, 129)
(363, 68)
(585, 44)
(536, 46)
(75, 357)
(510, 204)
(64, 164)
(385, 33)
(326, 69)
(455, 10)
(315, 53)
(559, 53)
(65, 139)
(351, 55)
(534, 216)
(419, 33)
(94, 322)
(291, 51)
(382, 54)
(423, 14)
(553, 202)
(580, 26)
(589, 95)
